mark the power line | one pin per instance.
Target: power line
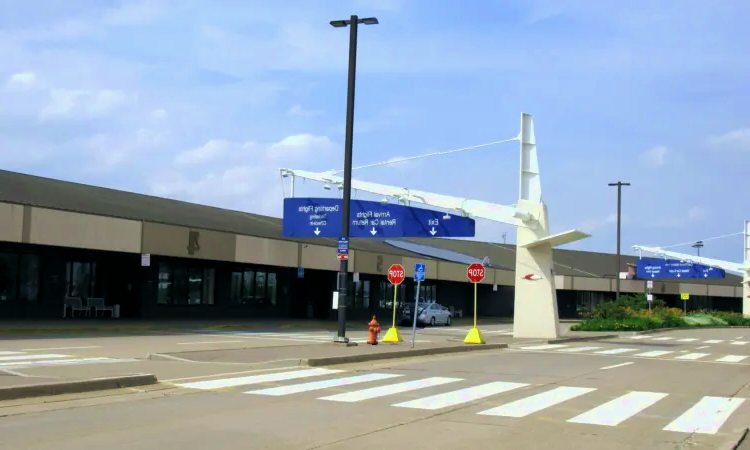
(394, 161)
(703, 240)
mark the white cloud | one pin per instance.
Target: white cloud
(299, 145)
(737, 140)
(133, 13)
(698, 213)
(595, 224)
(73, 103)
(655, 157)
(21, 81)
(158, 114)
(104, 152)
(298, 110)
(210, 151)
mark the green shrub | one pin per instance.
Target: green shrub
(625, 324)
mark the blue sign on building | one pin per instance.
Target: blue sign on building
(321, 217)
(420, 271)
(654, 268)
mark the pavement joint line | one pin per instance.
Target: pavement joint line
(170, 381)
(58, 348)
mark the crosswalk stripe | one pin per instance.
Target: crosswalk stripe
(664, 338)
(22, 357)
(620, 409)
(544, 347)
(616, 351)
(256, 379)
(653, 353)
(714, 341)
(10, 353)
(59, 362)
(732, 358)
(460, 396)
(391, 389)
(693, 356)
(687, 340)
(705, 417)
(578, 349)
(536, 403)
(316, 385)
(641, 336)
(739, 342)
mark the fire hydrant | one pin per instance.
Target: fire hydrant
(373, 330)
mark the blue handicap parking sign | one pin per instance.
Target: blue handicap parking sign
(420, 270)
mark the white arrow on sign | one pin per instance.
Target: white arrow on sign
(317, 231)
(433, 231)
(373, 231)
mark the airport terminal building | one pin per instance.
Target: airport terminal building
(65, 244)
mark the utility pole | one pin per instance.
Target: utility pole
(343, 277)
(619, 185)
(698, 246)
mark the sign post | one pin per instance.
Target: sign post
(685, 296)
(649, 296)
(475, 273)
(396, 275)
(420, 270)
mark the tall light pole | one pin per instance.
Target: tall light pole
(698, 246)
(352, 22)
(619, 185)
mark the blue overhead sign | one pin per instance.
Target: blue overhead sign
(654, 268)
(420, 271)
(321, 217)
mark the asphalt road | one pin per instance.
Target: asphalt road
(572, 396)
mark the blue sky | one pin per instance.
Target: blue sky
(203, 101)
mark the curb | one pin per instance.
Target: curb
(76, 387)
(582, 338)
(662, 330)
(736, 443)
(334, 360)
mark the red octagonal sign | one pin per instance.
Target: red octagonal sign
(475, 272)
(396, 274)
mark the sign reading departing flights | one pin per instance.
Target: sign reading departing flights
(655, 268)
(321, 217)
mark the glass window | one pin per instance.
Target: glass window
(80, 279)
(29, 278)
(8, 274)
(236, 290)
(366, 294)
(272, 288)
(180, 292)
(248, 291)
(209, 286)
(164, 293)
(260, 288)
(195, 286)
(97, 280)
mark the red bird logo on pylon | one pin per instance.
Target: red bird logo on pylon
(532, 277)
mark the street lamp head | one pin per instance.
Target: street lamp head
(369, 21)
(339, 23)
(619, 183)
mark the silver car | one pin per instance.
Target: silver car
(429, 313)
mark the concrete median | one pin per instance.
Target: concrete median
(75, 387)
(366, 357)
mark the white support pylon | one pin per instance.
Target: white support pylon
(536, 314)
(746, 272)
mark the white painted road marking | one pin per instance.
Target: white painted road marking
(739, 342)
(57, 348)
(316, 385)
(579, 349)
(692, 356)
(687, 340)
(713, 341)
(732, 358)
(543, 347)
(22, 357)
(536, 403)
(700, 348)
(255, 379)
(207, 342)
(616, 366)
(663, 339)
(391, 389)
(640, 336)
(440, 401)
(616, 351)
(11, 353)
(705, 417)
(620, 409)
(653, 353)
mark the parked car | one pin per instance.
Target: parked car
(429, 314)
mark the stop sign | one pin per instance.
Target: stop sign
(475, 272)
(396, 274)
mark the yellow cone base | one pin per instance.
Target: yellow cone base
(392, 335)
(474, 337)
